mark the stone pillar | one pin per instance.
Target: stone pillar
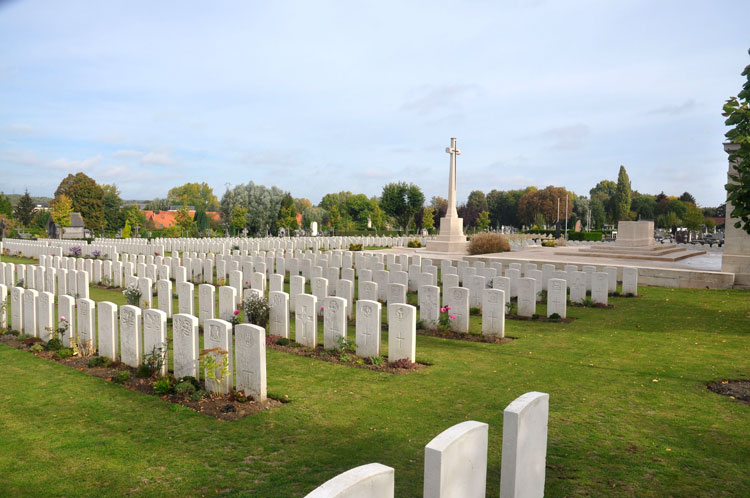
(736, 258)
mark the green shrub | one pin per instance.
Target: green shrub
(99, 361)
(282, 341)
(54, 345)
(184, 389)
(355, 247)
(414, 243)
(376, 360)
(488, 243)
(555, 316)
(121, 377)
(420, 324)
(256, 310)
(163, 386)
(144, 371)
(64, 353)
(475, 311)
(589, 236)
(13, 332)
(549, 243)
(36, 348)
(199, 395)
(189, 378)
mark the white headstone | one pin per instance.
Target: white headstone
(457, 298)
(218, 334)
(85, 318)
(493, 312)
(556, 297)
(599, 287)
(46, 315)
(185, 298)
(368, 328)
(66, 307)
(429, 305)
(30, 297)
(455, 462)
(402, 332)
(227, 298)
(334, 321)
(250, 350)
(130, 335)
(306, 322)
(577, 284)
(206, 303)
(278, 320)
(367, 481)
(155, 336)
(630, 281)
(368, 290)
(107, 325)
(185, 345)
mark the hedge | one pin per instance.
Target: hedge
(589, 236)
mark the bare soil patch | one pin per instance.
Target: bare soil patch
(735, 389)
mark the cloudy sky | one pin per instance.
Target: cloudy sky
(317, 97)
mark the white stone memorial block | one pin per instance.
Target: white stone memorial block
(235, 280)
(577, 283)
(589, 270)
(414, 272)
(450, 280)
(180, 274)
(50, 280)
(227, 298)
(455, 462)
(82, 284)
(402, 332)
(208, 271)
(185, 345)
(30, 297)
(250, 351)
(527, 268)
(85, 316)
(503, 284)
(396, 294)
(368, 290)
(155, 335)
(258, 282)
(164, 296)
(630, 281)
(276, 283)
(526, 296)
(611, 272)
(458, 300)
(334, 322)
(71, 284)
(345, 289)
(62, 282)
(319, 289)
(107, 325)
(493, 312)
(368, 328)
(477, 285)
(66, 307)
(46, 315)
(218, 334)
(547, 270)
(306, 322)
(557, 297)
(185, 298)
(366, 481)
(599, 287)
(524, 453)
(347, 274)
(429, 305)
(130, 336)
(296, 287)
(278, 320)
(116, 274)
(206, 303)
(364, 275)
(514, 274)
(426, 278)
(145, 285)
(382, 278)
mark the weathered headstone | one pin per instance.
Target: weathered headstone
(368, 290)
(46, 315)
(402, 332)
(396, 294)
(493, 312)
(429, 305)
(206, 303)
(107, 325)
(306, 322)
(227, 298)
(334, 322)
(130, 335)
(66, 306)
(85, 318)
(30, 297)
(630, 281)
(368, 328)
(278, 320)
(599, 287)
(366, 481)
(457, 298)
(218, 336)
(250, 350)
(455, 462)
(185, 345)
(557, 297)
(577, 284)
(185, 298)
(155, 343)
(526, 296)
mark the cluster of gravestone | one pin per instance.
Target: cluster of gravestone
(455, 461)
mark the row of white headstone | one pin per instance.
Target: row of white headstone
(143, 332)
(455, 461)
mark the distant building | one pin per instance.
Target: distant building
(76, 230)
(164, 219)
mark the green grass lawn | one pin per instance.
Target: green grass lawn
(629, 412)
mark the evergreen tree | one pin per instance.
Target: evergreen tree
(622, 196)
(6, 207)
(201, 220)
(24, 210)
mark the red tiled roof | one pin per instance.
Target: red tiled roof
(164, 219)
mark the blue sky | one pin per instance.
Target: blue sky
(318, 97)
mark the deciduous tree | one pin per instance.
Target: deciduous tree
(737, 112)
(87, 196)
(60, 209)
(401, 201)
(198, 195)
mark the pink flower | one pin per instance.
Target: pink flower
(236, 312)
(442, 310)
(453, 317)
(447, 308)
(62, 318)
(322, 307)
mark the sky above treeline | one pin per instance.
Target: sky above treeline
(318, 97)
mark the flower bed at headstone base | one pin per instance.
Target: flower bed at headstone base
(342, 357)
(736, 389)
(220, 406)
(448, 334)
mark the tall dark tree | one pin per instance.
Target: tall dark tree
(87, 196)
(688, 197)
(622, 196)
(111, 204)
(6, 207)
(201, 221)
(402, 201)
(24, 210)
(737, 112)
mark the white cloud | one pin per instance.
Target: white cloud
(157, 158)
(76, 165)
(127, 153)
(428, 99)
(569, 137)
(674, 110)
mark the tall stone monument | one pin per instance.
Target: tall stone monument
(451, 238)
(736, 257)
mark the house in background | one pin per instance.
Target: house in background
(164, 219)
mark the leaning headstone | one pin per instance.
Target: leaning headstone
(455, 462)
(107, 325)
(493, 313)
(155, 337)
(577, 283)
(402, 332)
(599, 287)
(218, 335)
(526, 297)
(524, 452)
(366, 481)
(630, 281)
(458, 300)
(185, 345)
(306, 322)
(334, 322)
(556, 297)
(130, 335)
(368, 328)
(250, 350)
(429, 305)
(278, 319)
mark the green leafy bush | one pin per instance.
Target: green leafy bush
(475, 311)
(36, 348)
(184, 389)
(121, 377)
(282, 341)
(256, 310)
(163, 386)
(99, 361)
(198, 395)
(549, 243)
(555, 316)
(414, 243)
(589, 236)
(54, 345)
(144, 371)
(355, 247)
(64, 353)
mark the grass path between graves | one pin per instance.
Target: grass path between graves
(629, 412)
